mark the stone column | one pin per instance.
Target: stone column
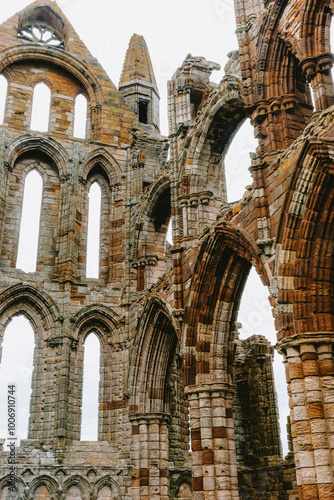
(310, 376)
(150, 456)
(317, 71)
(214, 463)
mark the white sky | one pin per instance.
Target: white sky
(172, 29)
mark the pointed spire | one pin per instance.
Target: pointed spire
(137, 64)
(138, 85)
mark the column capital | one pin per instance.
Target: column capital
(209, 388)
(148, 418)
(304, 338)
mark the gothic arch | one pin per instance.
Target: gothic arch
(98, 316)
(146, 214)
(107, 326)
(48, 482)
(77, 481)
(63, 59)
(51, 162)
(106, 161)
(222, 267)
(51, 83)
(217, 123)
(307, 218)
(152, 355)
(56, 154)
(6, 481)
(107, 481)
(315, 25)
(34, 303)
(265, 42)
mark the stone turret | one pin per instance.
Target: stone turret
(138, 85)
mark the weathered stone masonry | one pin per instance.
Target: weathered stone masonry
(171, 362)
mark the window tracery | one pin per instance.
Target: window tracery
(41, 34)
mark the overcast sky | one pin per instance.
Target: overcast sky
(173, 29)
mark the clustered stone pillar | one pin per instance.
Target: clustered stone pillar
(150, 456)
(214, 464)
(317, 71)
(310, 375)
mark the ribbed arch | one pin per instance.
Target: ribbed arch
(50, 149)
(218, 279)
(75, 484)
(267, 37)
(308, 219)
(102, 159)
(315, 28)
(45, 486)
(152, 355)
(102, 323)
(6, 483)
(46, 200)
(202, 169)
(35, 304)
(105, 486)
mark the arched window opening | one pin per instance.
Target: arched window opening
(90, 391)
(30, 222)
(17, 353)
(3, 97)
(40, 108)
(80, 117)
(237, 162)
(161, 213)
(93, 231)
(255, 316)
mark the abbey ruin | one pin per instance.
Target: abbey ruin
(186, 409)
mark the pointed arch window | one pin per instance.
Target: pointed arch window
(80, 117)
(237, 161)
(93, 231)
(30, 222)
(255, 318)
(40, 108)
(90, 391)
(16, 368)
(3, 97)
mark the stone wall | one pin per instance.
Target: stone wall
(166, 315)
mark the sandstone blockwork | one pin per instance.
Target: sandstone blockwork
(186, 408)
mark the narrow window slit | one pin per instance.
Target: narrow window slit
(40, 108)
(80, 117)
(93, 231)
(30, 222)
(90, 391)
